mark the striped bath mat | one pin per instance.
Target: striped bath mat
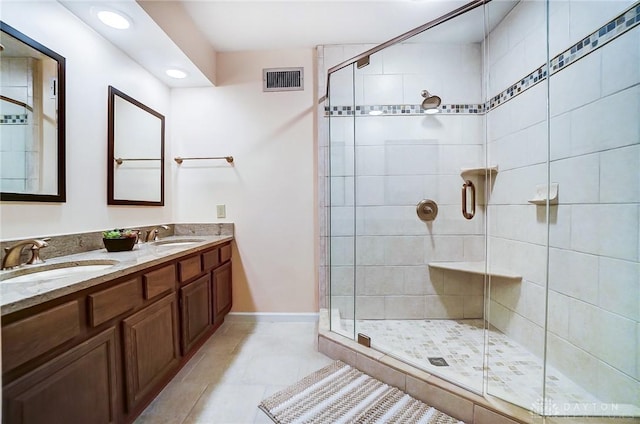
(339, 393)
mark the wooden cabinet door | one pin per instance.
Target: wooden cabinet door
(196, 311)
(151, 346)
(79, 386)
(222, 296)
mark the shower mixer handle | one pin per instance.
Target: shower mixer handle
(427, 210)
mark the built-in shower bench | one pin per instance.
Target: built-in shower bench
(476, 268)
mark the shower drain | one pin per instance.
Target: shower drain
(438, 362)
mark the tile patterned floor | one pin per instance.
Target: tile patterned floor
(241, 364)
(514, 374)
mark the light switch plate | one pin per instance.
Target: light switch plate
(221, 211)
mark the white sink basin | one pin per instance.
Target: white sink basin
(55, 271)
(176, 242)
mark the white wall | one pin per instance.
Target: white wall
(269, 190)
(92, 64)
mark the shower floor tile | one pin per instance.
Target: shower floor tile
(513, 373)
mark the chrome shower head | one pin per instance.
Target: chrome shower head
(430, 103)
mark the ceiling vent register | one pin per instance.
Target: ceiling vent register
(283, 79)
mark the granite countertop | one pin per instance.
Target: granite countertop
(15, 296)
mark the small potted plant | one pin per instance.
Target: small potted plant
(119, 240)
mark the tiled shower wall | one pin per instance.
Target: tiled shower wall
(18, 154)
(594, 151)
(390, 165)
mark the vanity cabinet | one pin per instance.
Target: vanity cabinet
(221, 292)
(218, 263)
(207, 299)
(195, 299)
(151, 348)
(79, 386)
(101, 354)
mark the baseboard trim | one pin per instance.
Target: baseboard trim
(272, 317)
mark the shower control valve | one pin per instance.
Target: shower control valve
(427, 210)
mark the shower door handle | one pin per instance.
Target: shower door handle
(468, 185)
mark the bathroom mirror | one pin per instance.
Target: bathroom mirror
(32, 120)
(135, 172)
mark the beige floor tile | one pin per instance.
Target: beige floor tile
(210, 369)
(312, 363)
(268, 369)
(173, 404)
(241, 364)
(227, 404)
(193, 362)
(262, 418)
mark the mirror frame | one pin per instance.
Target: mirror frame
(111, 200)
(61, 195)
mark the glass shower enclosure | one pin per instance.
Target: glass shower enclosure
(493, 239)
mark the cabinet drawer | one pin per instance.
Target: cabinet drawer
(110, 303)
(159, 281)
(28, 338)
(189, 268)
(211, 259)
(225, 253)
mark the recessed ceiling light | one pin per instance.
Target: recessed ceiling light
(176, 73)
(375, 112)
(114, 19)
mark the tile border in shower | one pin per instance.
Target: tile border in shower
(14, 119)
(611, 30)
(377, 110)
(622, 23)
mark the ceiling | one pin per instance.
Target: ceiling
(250, 25)
(239, 25)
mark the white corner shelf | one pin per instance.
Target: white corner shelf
(479, 172)
(477, 268)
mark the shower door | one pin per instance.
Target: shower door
(593, 320)
(398, 280)
(341, 202)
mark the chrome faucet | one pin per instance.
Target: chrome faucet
(12, 257)
(152, 235)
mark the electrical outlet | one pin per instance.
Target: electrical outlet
(221, 211)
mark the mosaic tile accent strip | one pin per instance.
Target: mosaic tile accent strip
(374, 110)
(524, 84)
(21, 119)
(609, 31)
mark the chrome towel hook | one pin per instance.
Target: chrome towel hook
(468, 185)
